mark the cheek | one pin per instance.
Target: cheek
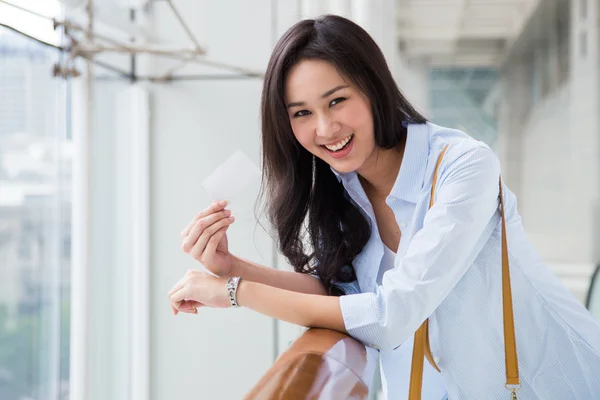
(358, 117)
(302, 132)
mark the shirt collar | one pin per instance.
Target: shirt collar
(338, 175)
(409, 181)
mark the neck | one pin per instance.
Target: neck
(379, 173)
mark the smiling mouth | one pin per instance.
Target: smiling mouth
(341, 145)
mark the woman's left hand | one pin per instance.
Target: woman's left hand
(198, 289)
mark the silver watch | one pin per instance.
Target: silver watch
(232, 286)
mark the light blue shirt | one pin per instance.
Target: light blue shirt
(448, 268)
(401, 358)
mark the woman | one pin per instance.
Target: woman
(344, 151)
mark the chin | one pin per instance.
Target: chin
(345, 167)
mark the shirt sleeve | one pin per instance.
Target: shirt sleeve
(454, 231)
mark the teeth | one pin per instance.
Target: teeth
(339, 145)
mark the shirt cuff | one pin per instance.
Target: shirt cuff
(359, 312)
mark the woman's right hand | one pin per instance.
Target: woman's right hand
(205, 238)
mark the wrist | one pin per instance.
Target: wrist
(237, 266)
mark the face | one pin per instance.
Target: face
(330, 117)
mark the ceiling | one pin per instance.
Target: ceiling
(440, 32)
(460, 32)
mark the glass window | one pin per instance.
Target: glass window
(35, 214)
(461, 98)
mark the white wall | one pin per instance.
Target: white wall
(194, 126)
(218, 354)
(546, 155)
(584, 133)
(551, 156)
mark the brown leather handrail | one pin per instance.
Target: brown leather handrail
(321, 364)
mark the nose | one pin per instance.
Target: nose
(326, 127)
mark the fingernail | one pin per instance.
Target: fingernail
(223, 203)
(232, 218)
(227, 213)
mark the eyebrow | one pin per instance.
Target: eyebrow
(326, 94)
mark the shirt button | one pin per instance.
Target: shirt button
(374, 347)
(404, 224)
(437, 360)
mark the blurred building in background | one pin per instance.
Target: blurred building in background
(523, 77)
(100, 173)
(35, 231)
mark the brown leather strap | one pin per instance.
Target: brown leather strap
(425, 325)
(421, 342)
(510, 341)
(421, 347)
(428, 354)
(416, 370)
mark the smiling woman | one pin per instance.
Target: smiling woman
(409, 221)
(345, 113)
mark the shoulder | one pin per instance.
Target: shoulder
(462, 150)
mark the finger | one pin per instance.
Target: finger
(200, 245)
(203, 223)
(213, 242)
(189, 226)
(196, 240)
(175, 311)
(187, 308)
(190, 272)
(214, 207)
(177, 286)
(179, 296)
(190, 306)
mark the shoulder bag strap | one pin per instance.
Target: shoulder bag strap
(421, 347)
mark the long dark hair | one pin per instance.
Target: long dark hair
(296, 182)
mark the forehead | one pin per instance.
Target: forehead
(309, 79)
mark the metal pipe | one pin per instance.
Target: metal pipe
(27, 10)
(185, 26)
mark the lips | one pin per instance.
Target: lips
(340, 145)
(344, 148)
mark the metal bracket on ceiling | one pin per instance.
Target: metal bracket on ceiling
(84, 42)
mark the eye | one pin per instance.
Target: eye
(336, 101)
(301, 113)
